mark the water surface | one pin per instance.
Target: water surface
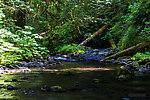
(78, 85)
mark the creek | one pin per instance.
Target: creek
(88, 80)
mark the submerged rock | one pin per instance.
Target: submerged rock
(56, 89)
(96, 80)
(10, 87)
(1, 85)
(126, 73)
(45, 88)
(14, 80)
(23, 78)
(28, 92)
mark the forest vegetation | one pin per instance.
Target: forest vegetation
(33, 29)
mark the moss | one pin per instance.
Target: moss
(56, 88)
(146, 65)
(96, 80)
(141, 56)
(127, 57)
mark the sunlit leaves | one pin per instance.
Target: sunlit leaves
(71, 48)
(18, 44)
(141, 56)
(132, 26)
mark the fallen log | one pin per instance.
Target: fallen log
(97, 32)
(131, 50)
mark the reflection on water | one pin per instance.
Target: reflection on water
(78, 85)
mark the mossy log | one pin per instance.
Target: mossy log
(112, 43)
(147, 64)
(97, 32)
(129, 51)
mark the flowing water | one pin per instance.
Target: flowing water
(79, 81)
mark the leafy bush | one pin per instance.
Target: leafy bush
(71, 48)
(65, 22)
(141, 56)
(19, 44)
(132, 25)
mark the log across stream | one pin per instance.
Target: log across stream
(73, 81)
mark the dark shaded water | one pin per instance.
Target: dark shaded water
(79, 85)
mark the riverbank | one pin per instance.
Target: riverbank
(138, 65)
(126, 62)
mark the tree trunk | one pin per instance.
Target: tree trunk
(131, 50)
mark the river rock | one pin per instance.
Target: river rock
(56, 89)
(60, 58)
(23, 78)
(45, 88)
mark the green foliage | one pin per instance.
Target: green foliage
(19, 44)
(64, 22)
(7, 49)
(130, 38)
(131, 26)
(71, 48)
(141, 56)
(67, 21)
(61, 35)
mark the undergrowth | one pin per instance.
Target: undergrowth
(18, 44)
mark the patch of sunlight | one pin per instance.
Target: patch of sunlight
(80, 69)
(4, 94)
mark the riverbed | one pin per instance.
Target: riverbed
(86, 80)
